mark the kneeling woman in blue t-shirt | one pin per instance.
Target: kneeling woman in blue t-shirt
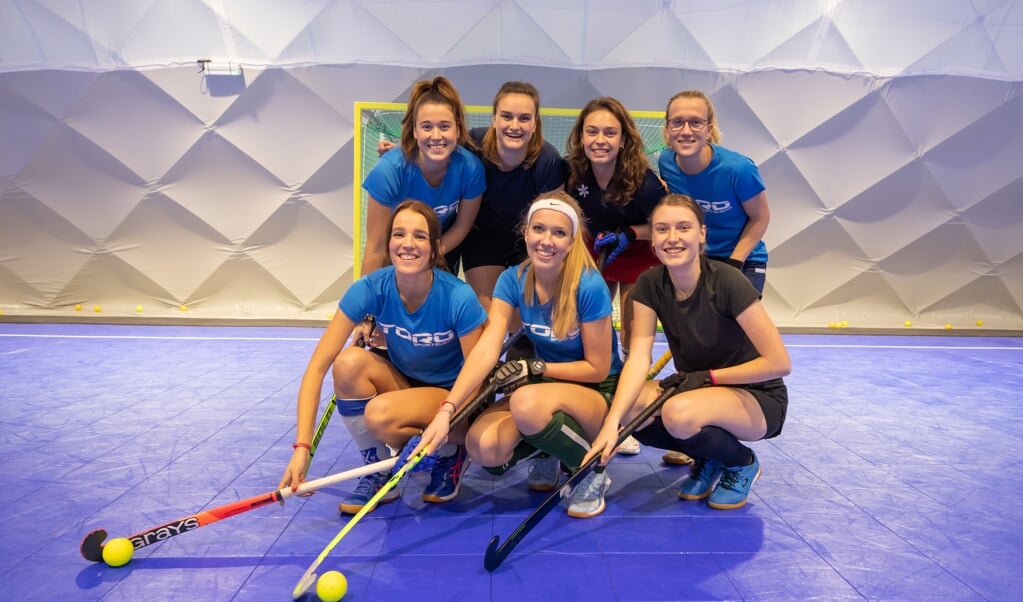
(430, 320)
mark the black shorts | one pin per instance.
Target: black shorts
(484, 247)
(772, 396)
(412, 382)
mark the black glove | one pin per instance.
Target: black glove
(512, 375)
(735, 263)
(687, 381)
(371, 321)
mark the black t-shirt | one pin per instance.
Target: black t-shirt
(509, 193)
(702, 331)
(606, 217)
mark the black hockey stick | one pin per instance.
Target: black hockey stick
(496, 553)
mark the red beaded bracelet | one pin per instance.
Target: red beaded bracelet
(297, 445)
(451, 403)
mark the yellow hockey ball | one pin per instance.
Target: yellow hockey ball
(118, 551)
(331, 586)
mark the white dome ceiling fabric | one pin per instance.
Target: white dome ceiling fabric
(889, 134)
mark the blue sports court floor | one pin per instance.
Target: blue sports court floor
(897, 477)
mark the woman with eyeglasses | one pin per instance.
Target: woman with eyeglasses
(726, 184)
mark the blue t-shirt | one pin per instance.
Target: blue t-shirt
(593, 303)
(395, 179)
(509, 193)
(424, 344)
(728, 181)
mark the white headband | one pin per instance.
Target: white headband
(555, 205)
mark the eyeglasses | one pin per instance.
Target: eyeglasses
(696, 124)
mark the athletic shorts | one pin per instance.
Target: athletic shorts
(772, 396)
(634, 260)
(606, 387)
(485, 247)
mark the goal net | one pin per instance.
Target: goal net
(379, 121)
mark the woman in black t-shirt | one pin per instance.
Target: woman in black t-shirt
(724, 344)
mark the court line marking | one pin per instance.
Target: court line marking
(231, 338)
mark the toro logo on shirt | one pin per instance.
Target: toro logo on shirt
(446, 210)
(714, 206)
(419, 339)
(546, 332)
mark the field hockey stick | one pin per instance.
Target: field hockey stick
(92, 544)
(659, 365)
(332, 405)
(512, 338)
(309, 577)
(496, 553)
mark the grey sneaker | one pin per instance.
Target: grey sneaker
(587, 499)
(544, 473)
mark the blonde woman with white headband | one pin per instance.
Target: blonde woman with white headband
(555, 403)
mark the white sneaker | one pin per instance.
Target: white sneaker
(587, 498)
(629, 447)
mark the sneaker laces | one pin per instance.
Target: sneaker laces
(444, 468)
(593, 486)
(368, 485)
(698, 469)
(729, 479)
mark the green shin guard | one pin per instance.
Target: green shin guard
(562, 438)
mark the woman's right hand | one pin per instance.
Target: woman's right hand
(435, 434)
(362, 334)
(294, 474)
(605, 444)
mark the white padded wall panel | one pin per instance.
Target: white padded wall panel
(888, 134)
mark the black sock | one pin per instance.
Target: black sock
(715, 443)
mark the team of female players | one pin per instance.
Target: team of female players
(527, 227)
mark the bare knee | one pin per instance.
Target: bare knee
(350, 372)
(529, 410)
(680, 418)
(484, 449)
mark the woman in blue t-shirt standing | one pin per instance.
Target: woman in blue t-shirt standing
(430, 320)
(431, 165)
(556, 402)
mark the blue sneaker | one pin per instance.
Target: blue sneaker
(587, 499)
(544, 473)
(446, 477)
(733, 489)
(700, 480)
(368, 486)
